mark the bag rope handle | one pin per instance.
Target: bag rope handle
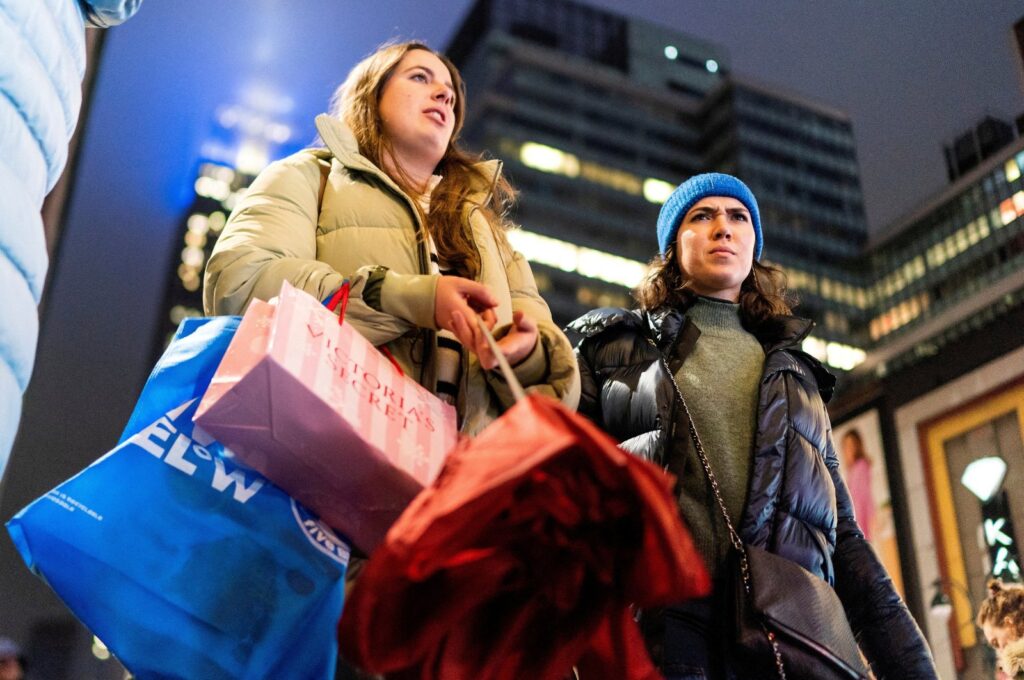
(339, 299)
(506, 370)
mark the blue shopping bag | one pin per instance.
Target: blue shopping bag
(186, 564)
(184, 370)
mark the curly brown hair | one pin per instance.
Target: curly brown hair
(357, 103)
(763, 295)
(1004, 607)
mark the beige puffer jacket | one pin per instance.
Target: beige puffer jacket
(367, 231)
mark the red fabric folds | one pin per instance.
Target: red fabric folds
(523, 558)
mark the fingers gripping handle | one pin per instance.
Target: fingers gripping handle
(506, 370)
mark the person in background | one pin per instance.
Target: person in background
(858, 480)
(1001, 619)
(718, 319)
(12, 664)
(43, 61)
(416, 224)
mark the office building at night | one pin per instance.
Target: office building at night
(598, 117)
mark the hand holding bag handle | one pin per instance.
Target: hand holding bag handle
(506, 370)
(797, 613)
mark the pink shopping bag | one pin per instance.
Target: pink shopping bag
(313, 406)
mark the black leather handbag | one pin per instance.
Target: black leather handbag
(784, 614)
(787, 614)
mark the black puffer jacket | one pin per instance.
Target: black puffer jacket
(798, 505)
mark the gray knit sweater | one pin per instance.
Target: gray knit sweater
(719, 381)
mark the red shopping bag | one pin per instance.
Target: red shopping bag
(523, 558)
(314, 407)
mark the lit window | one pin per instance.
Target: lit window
(572, 258)
(545, 250)
(252, 157)
(1012, 170)
(611, 268)
(212, 188)
(620, 180)
(711, 65)
(961, 240)
(1007, 212)
(99, 650)
(835, 354)
(194, 239)
(815, 347)
(657, 191)
(193, 257)
(197, 223)
(671, 52)
(548, 159)
(983, 230)
(217, 220)
(1018, 202)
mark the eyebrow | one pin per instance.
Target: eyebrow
(710, 209)
(433, 75)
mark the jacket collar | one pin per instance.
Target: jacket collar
(338, 138)
(675, 335)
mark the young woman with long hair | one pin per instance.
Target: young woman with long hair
(415, 224)
(715, 329)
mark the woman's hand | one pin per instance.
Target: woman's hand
(457, 302)
(516, 345)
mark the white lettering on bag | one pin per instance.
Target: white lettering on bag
(154, 439)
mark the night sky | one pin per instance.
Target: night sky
(911, 74)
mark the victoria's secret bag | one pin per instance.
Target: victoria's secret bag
(784, 613)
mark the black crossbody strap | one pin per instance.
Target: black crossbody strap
(734, 536)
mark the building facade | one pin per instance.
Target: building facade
(598, 117)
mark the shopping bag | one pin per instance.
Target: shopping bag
(313, 406)
(184, 369)
(523, 558)
(186, 564)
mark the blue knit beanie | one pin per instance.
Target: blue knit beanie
(693, 190)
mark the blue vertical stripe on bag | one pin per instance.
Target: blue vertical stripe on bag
(186, 564)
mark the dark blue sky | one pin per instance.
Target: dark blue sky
(910, 74)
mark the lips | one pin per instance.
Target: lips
(716, 251)
(437, 115)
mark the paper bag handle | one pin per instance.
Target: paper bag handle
(340, 297)
(506, 370)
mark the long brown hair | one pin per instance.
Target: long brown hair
(357, 103)
(763, 296)
(1004, 607)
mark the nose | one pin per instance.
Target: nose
(722, 228)
(444, 95)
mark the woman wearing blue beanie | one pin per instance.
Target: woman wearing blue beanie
(713, 356)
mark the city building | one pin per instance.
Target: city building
(975, 145)
(598, 117)
(943, 379)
